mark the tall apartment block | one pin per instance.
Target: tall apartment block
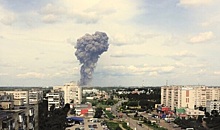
(72, 92)
(190, 96)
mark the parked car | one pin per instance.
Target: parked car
(189, 128)
(95, 126)
(175, 126)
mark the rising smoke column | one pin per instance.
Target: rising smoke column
(89, 48)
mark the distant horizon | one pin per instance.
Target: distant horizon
(114, 86)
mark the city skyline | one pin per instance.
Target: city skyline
(150, 42)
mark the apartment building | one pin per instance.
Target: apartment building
(190, 96)
(32, 96)
(171, 96)
(35, 96)
(55, 98)
(18, 94)
(212, 105)
(16, 117)
(72, 92)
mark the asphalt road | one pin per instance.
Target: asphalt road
(162, 122)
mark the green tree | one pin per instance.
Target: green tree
(98, 112)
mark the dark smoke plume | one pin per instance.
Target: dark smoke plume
(89, 48)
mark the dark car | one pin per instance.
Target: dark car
(90, 126)
(95, 126)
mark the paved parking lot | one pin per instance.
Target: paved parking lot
(86, 123)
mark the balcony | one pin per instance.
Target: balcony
(8, 124)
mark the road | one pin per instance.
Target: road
(132, 123)
(161, 122)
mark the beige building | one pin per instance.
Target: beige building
(18, 94)
(72, 92)
(189, 96)
(29, 96)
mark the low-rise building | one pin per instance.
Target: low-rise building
(194, 113)
(85, 110)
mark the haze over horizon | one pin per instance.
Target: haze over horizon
(150, 42)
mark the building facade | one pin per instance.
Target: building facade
(14, 116)
(72, 92)
(212, 105)
(55, 98)
(28, 96)
(189, 96)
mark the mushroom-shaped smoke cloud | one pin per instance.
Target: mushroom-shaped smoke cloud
(89, 48)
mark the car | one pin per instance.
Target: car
(95, 126)
(189, 128)
(81, 127)
(149, 114)
(175, 126)
(90, 126)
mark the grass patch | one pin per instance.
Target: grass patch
(124, 125)
(109, 114)
(113, 126)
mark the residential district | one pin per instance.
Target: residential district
(71, 107)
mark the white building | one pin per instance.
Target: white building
(35, 96)
(212, 105)
(55, 98)
(189, 96)
(72, 92)
(88, 91)
(194, 113)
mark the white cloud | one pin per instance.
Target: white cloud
(87, 18)
(50, 18)
(4, 74)
(52, 13)
(217, 72)
(7, 17)
(212, 21)
(181, 54)
(153, 74)
(202, 37)
(127, 55)
(120, 39)
(32, 75)
(194, 2)
(140, 70)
